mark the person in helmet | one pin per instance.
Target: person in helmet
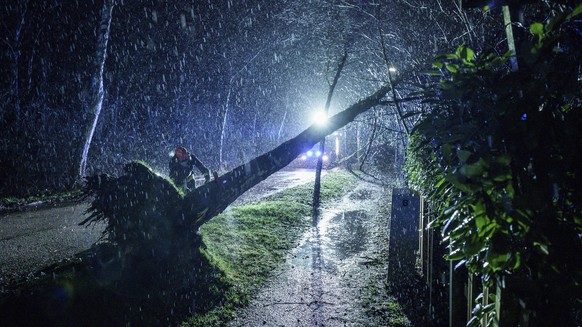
(181, 165)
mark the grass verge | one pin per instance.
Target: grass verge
(245, 244)
(384, 309)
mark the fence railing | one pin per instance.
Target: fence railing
(415, 248)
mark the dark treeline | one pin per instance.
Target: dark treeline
(175, 70)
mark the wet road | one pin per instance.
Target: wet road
(36, 238)
(335, 274)
(39, 237)
(279, 181)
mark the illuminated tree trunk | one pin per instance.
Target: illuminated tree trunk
(224, 113)
(223, 125)
(97, 84)
(281, 127)
(144, 212)
(207, 201)
(319, 166)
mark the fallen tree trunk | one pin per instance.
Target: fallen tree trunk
(153, 228)
(211, 199)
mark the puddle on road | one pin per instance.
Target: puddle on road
(339, 234)
(346, 233)
(323, 282)
(360, 194)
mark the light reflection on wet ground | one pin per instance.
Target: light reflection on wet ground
(328, 274)
(279, 181)
(36, 238)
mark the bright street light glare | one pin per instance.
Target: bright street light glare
(319, 118)
(392, 69)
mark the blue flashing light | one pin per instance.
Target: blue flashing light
(524, 117)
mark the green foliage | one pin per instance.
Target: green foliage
(499, 157)
(389, 309)
(334, 185)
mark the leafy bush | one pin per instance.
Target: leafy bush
(499, 157)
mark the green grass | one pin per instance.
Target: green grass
(245, 244)
(383, 309)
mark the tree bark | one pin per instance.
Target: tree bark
(319, 166)
(207, 201)
(97, 85)
(144, 213)
(15, 52)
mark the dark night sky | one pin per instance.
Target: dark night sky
(173, 68)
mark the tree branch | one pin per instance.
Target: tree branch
(319, 166)
(390, 80)
(371, 141)
(210, 199)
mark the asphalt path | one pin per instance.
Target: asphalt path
(42, 235)
(279, 181)
(336, 274)
(39, 237)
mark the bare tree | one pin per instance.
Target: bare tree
(117, 199)
(227, 105)
(14, 47)
(97, 82)
(317, 185)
